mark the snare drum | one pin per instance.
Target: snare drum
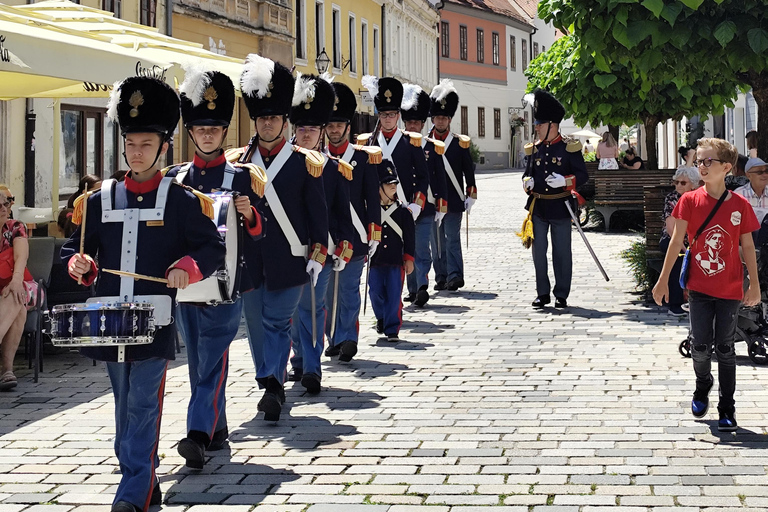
(102, 324)
(222, 286)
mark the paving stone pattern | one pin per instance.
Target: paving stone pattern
(488, 404)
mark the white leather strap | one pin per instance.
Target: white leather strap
(387, 149)
(386, 217)
(449, 169)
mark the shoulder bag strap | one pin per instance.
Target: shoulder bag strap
(710, 216)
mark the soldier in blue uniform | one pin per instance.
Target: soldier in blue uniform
(555, 168)
(414, 111)
(295, 240)
(313, 102)
(366, 220)
(148, 225)
(393, 260)
(403, 149)
(449, 263)
(207, 103)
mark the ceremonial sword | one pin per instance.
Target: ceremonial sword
(584, 237)
(313, 305)
(335, 306)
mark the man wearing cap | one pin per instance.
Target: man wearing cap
(207, 103)
(149, 225)
(366, 219)
(294, 246)
(414, 111)
(756, 191)
(449, 262)
(555, 168)
(313, 102)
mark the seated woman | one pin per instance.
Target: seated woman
(632, 161)
(685, 180)
(607, 152)
(17, 290)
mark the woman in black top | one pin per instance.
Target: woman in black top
(632, 161)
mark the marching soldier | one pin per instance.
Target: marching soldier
(414, 111)
(313, 102)
(149, 225)
(294, 247)
(555, 168)
(366, 219)
(207, 103)
(449, 264)
(403, 149)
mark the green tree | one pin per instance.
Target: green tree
(598, 92)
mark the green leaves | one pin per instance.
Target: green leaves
(603, 81)
(693, 4)
(671, 11)
(655, 6)
(725, 32)
(758, 40)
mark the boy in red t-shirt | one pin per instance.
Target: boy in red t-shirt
(715, 276)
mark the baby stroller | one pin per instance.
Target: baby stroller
(752, 324)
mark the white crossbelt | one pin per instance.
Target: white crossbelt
(357, 222)
(297, 248)
(386, 218)
(387, 150)
(226, 182)
(449, 169)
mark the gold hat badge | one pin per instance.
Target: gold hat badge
(210, 96)
(336, 104)
(136, 100)
(388, 95)
(442, 103)
(269, 92)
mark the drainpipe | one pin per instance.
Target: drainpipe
(29, 154)
(530, 44)
(383, 40)
(169, 158)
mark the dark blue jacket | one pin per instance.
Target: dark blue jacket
(394, 250)
(561, 158)
(411, 167)
(461, 164)
(337, 201)
(208, 178)
(437, 177)
(185, 231)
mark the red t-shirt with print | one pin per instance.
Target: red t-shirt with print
(715, 267)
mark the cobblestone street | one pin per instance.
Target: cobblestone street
(486, 403)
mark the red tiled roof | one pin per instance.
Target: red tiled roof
(529, 6)
(502, 7)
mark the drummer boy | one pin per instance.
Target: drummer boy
(151, 226)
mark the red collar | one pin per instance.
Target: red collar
(338, 151)
(202, 164)
(441, 136)
(555, 140)
(143, 187)
(274, 151)
(389, 135)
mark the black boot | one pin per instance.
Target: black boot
(192, 448)
(422, 296)
(271, 403)
(541, 301)
(311, 382)
(219, 440)
(347, 350)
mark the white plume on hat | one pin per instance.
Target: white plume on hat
(257, 74)
(114, 99)
(443, 89)
(303, 89)
(529, 99)
(196, 81)
(411, 94)
(327, 77)
(371, 83)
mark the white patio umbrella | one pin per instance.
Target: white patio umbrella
(585, 133)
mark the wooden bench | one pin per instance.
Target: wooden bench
(653, 209)
(623, 189)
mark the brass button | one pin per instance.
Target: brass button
(385, 246)
(200, 187)
(140, 198)
(202, 173)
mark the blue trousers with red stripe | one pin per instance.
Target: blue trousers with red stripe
(348, 303)
(305, 356)
(207, 332)
(138, 387)
(385, 285)
(278, 308)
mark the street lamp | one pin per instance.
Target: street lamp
(322, 62)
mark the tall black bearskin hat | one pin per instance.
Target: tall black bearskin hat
(346, 103)
(387, 92)
(313, 101)
(546, 108)
(142, 104)
(444, 98)
(267, 87)
(207, 97)
(387, 172)
(415, 106)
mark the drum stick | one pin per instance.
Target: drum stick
(82, 230)
(135, 276)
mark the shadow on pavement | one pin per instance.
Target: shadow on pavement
(742, 438)
(296, 432)
(422, 327)
(581, 312)
(337, 398)
(403, 344)
(470, 295)
(366, 368)
(441, 308)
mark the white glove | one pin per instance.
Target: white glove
(439, 218)
(468, 202)
(528, 183)
(415, 210)
(313, 269)
(555, 180)
(372, 246)
(338, 263)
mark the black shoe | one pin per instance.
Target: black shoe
(271, 406)
(219, 440)
(727, 422)
(124, 506)
(560, 303)
(410, 297)
(380, 326)
(422, 296)
(347, 350)
(294, 374)
(157, 496)
(541, 301)
(454, 284)
(193, 452)
(440, 285)
(274, 387)
(311, 382)
(700, 402)
(332, 351)
(393, 337)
